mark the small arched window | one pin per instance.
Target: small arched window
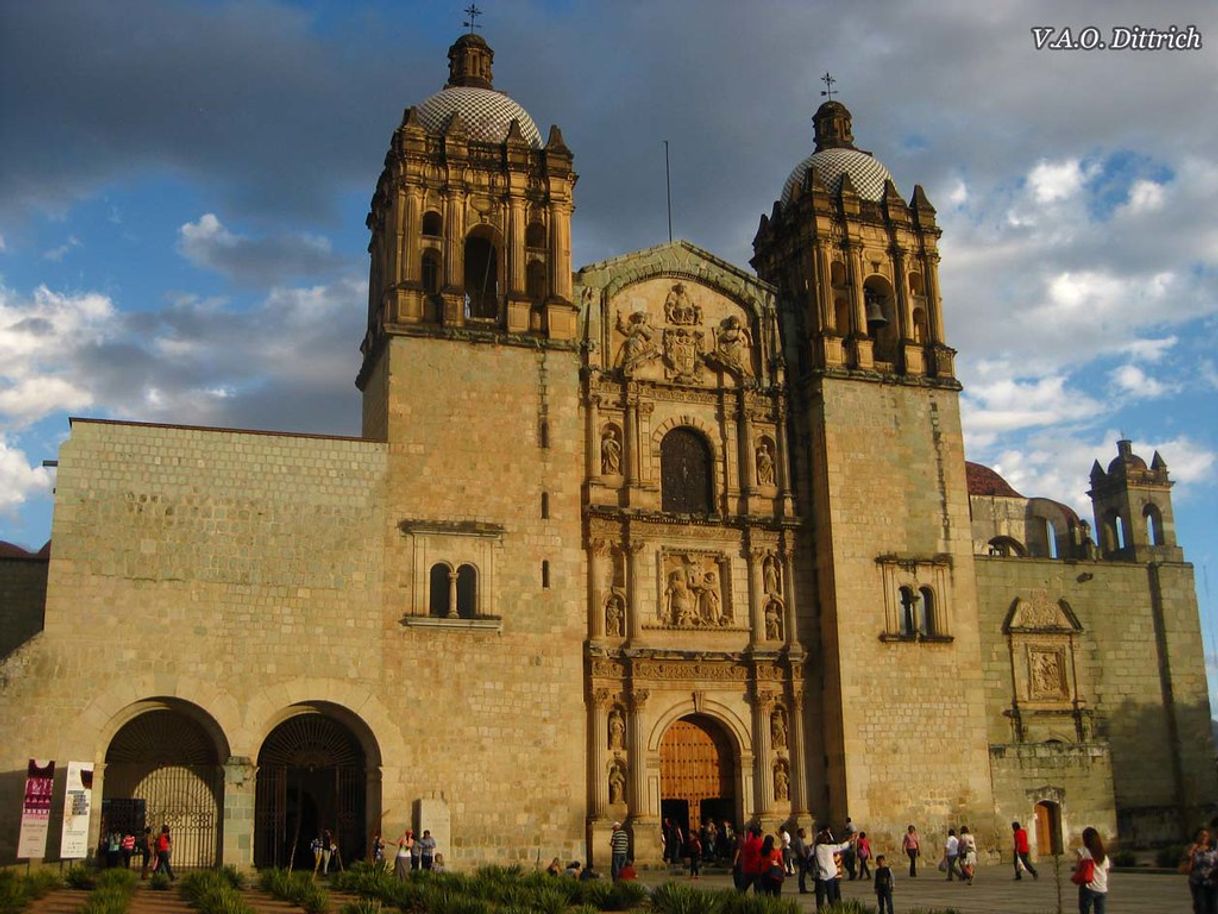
(467, 592)
(431, 272)
(433, 224)
(1154, 525)
(440, 590)
(482, 274)
(685, 473)
(1119, 525)
(909, 612)
(535, 235)
(926, 618)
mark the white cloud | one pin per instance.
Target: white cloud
(3, 247)
(57, 254)
(1135, 382)
(958, 195)
(1144, 197)
(1149, 350)
(1008, 403)
(210, 244)
(1053, 181)
(18, 480)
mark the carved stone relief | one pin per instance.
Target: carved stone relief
(778, 729)
(617, 729)
(679, 309)
(615, 616)
(773, 619)
(617, 782)
(1038, 611)
(732, 345)
(765, 462)
(611, 451)
(782, 781)
(683, 354)
(771, 575)
(693, 592)
(1046, 674)
(639, 348)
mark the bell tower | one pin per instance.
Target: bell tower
(1133, 512)
(470, 222)
(879, 458)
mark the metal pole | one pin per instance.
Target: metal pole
(668, 189)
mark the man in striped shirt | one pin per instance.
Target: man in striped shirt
(619, 844)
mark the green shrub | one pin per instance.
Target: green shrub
(13, 895)
(158, 882)
(1170, 856)
(39, 882)
(930, 911)
(211, 892)
(116, 879)
(848, 906)
(363, 906)
(80, 876)
(112, 899)
(678, 898)
(233, 876)
(735, 903)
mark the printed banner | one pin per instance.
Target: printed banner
(77, 807)
(36, 810)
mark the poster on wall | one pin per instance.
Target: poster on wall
(77, 807)
(36, 810)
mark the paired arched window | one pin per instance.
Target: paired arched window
(926, 618)
(1154, 525)
(686, 473)
(909, 612)
(917, 612)
(453, 594)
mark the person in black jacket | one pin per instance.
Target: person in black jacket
(883, 884)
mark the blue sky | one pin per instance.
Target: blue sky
(183, 188)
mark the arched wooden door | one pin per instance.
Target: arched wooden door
(1048, 829)
(697, 773)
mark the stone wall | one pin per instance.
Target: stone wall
(23, 592)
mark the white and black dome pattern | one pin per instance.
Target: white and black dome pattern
(487, 114)
(867, 173)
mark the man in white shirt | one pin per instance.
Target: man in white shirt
(828, 885)
(951, 851)
(786, 851)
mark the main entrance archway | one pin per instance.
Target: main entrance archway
(164, 768)
(312, 775)
(697, 773)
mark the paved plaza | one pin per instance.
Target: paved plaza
(994, 891)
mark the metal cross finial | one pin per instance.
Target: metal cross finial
(829, 81)
(472, 12)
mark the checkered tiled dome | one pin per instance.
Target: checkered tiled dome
(487, 114)
(867, 173)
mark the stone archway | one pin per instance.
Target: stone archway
(312, 775)
(163, 767)
(697, 773)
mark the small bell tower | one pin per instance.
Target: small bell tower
(1133, 511)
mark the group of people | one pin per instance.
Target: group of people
(119, 846)
(415, 854)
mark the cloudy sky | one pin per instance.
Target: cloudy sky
(183, 186)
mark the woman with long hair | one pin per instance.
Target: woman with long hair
(1201, 864)
(1093, 864)
(772, 869)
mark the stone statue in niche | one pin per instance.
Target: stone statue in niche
(611, 452)
(1045, 674)
(732, 342)
(683, 354)
(782, 782)
(615, 615)
(765, 463)
(773, 620)
(679, 309)
(693, 594)
(638, 348)
(617, 783)
(771, 573)
(778, 729)
(617, 729)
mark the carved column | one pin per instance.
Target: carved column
(798, 751)
(901, 283)
(598, 550)
(783, 461)
(454, 257)
(598, 727)
(631, 444)
(747, 456)
(516, 270)
(636, 755)
(592, 468)
(827, 312)
(858, 304)
(754, 556)
(933, 302)
(560, 250)
(452, 594)
(787, 564)
(634, 575)
(763, 773)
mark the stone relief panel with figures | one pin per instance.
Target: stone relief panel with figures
(693, 591)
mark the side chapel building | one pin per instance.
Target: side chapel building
(661, 537)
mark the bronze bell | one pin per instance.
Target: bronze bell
(875, 311)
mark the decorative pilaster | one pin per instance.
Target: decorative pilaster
(238, 828)
(592, 446)
(763, 779)
(783, 460)
(598, 550)
(754, 557)
(598, 726)
(747, 454)
(799, 769)
(634, 577)
(636, 754)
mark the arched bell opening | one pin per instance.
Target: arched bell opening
(483, 273)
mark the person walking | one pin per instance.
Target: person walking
(127, 848)
(912, 847)
(883, 885)
(773, 869)
(1091, 874)
(144, 849)
(1201, 864)
(748, 860)
(619, 848)
(951, 854)
(828, 873)
(694, 849)
(799, 847)
(848, 855)
(1021, 852)
(968, 854)
(862, 853)
(164, 850)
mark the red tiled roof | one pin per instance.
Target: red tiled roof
(984, 481)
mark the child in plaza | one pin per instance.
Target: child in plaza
(883, 885)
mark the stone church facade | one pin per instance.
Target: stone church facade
(660, 537)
